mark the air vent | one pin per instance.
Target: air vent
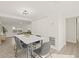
(52, 40)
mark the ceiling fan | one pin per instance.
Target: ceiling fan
(25, 12)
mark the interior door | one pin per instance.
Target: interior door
(78, 28)
(71, 30)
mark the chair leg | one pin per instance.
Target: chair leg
(14, 47)
(50, 52)
(15, 52)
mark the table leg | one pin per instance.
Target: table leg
(29, 51)
(41, 44)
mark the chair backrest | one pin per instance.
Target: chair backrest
(44, 51)
(18, 43)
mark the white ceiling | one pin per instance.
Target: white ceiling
(38, 9)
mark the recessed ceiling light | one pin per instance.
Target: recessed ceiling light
(13, 28)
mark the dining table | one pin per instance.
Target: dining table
(29, 40)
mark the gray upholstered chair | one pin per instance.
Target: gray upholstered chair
(43, 52)
(19, 45)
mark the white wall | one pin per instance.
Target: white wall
(45, 27)
(51, 26)
(61, 33)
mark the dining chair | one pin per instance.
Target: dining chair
(44, 51)
(37, 44)
(19, 45)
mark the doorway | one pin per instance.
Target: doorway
(71, 29)
(72, 35)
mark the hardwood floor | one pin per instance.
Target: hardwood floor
(70, 50)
